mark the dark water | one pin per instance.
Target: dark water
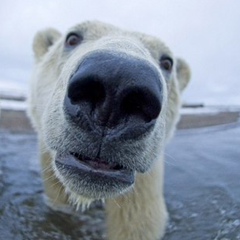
(202, 190)
(203, 184)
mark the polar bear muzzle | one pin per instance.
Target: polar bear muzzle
(118, 98)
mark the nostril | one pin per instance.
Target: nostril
(87, 89)
(142, 103)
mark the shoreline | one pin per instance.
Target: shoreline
(16, 121)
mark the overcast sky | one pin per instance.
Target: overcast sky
(206, 33)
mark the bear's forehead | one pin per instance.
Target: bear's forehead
(92, 30)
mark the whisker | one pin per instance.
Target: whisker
(47, 179)
(115, 201)
(171, 158)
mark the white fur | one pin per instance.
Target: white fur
(140, 213)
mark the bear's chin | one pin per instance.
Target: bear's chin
(85, 178)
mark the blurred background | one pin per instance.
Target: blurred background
(205, 33)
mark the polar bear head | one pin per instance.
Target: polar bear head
(104, 101)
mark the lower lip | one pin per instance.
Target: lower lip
(76, 166)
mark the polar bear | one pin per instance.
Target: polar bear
(104, 102)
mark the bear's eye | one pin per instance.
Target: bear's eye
(73, 40)
(166, 63)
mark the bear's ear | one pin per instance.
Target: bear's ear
(43, 40)
(183, 73)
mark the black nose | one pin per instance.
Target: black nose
(115, 92)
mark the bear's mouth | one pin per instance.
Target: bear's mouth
(97, 163)
(97, 169)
